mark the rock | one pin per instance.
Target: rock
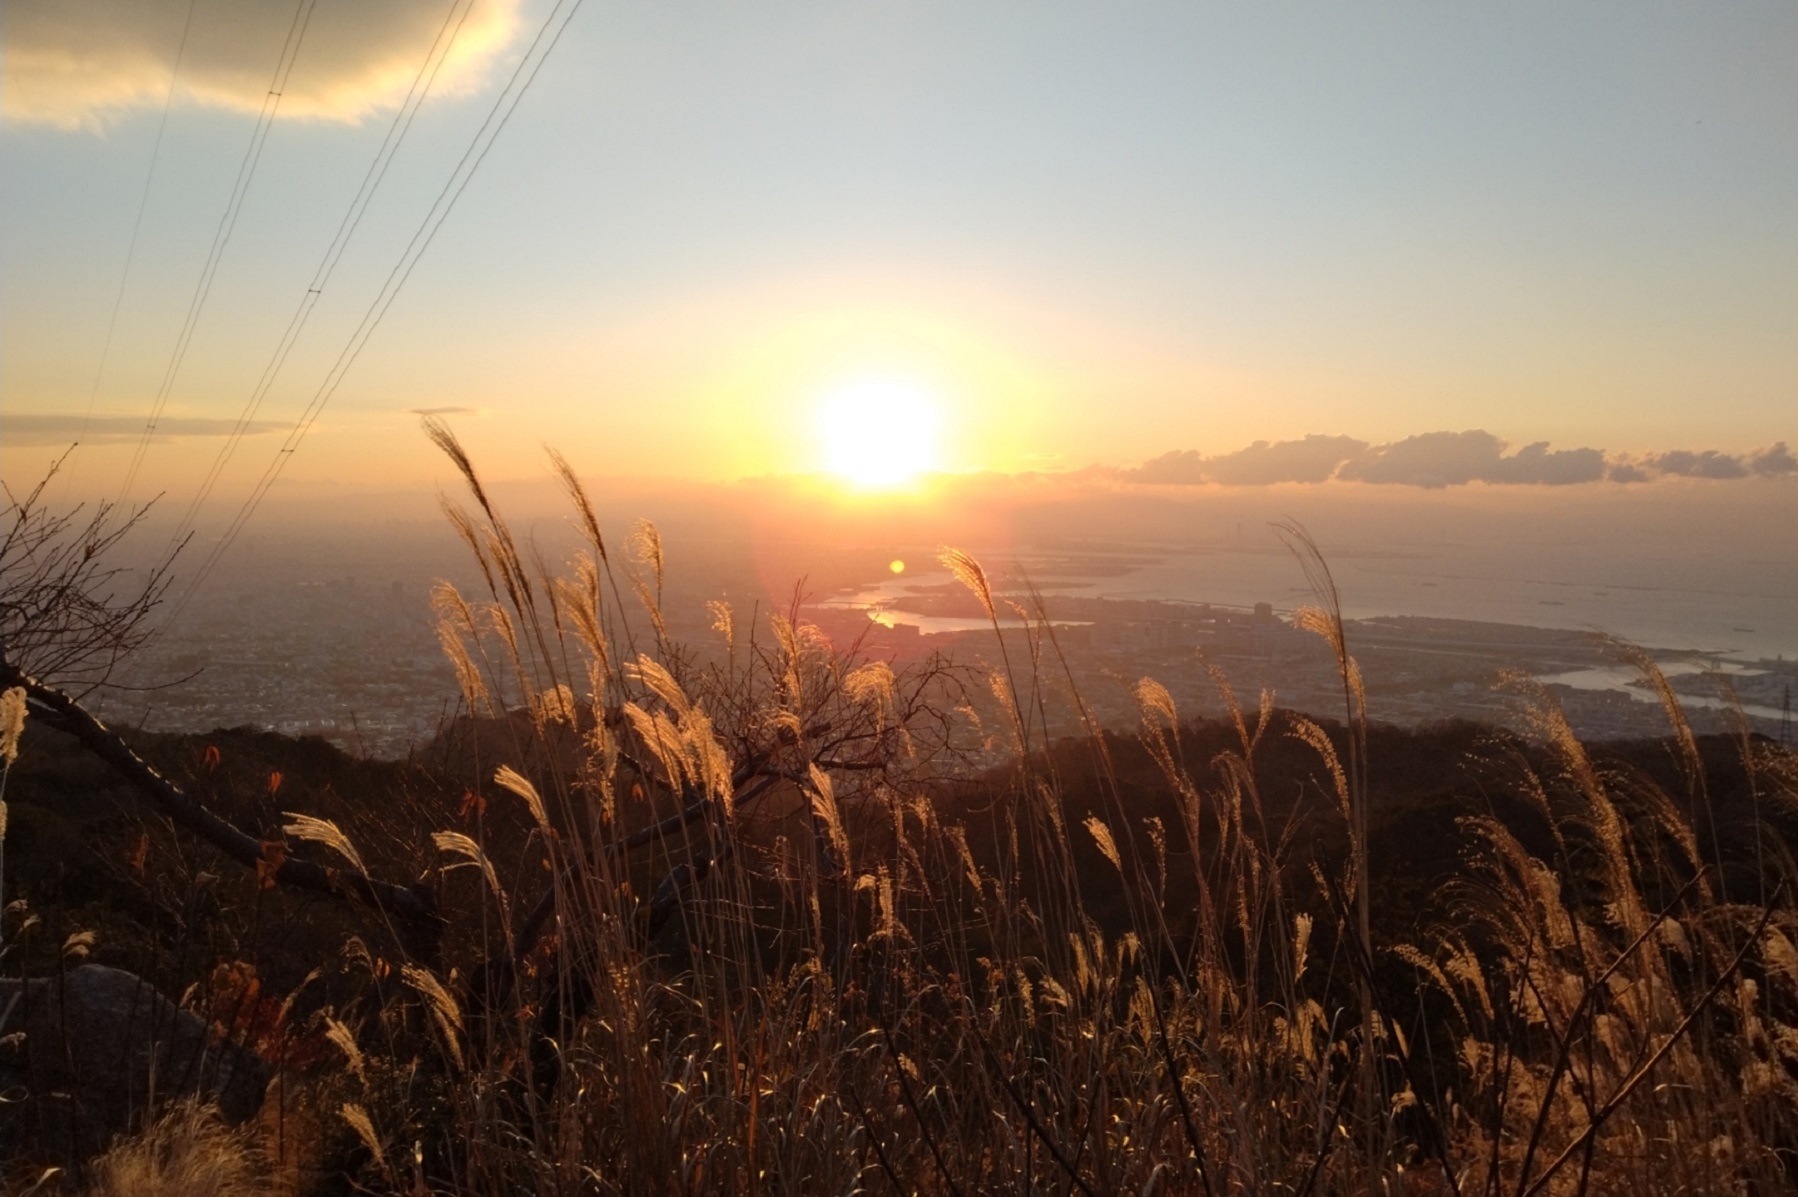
(101, 1048)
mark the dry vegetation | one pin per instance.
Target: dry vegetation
(185, 1152)
(728, 928)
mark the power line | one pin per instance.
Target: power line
(422, 83)
(271, 103)
(143, 202)
(503, 107)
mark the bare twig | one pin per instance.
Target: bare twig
(412, 908)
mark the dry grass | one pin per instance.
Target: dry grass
(718, 936)
(766, 963)
(186, 1152)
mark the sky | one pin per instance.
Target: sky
(1185, 245)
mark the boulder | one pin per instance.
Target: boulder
(100, 1049)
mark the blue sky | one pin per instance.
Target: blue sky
(1092, 233)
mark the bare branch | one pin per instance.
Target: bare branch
(412, 909)
(68, 614)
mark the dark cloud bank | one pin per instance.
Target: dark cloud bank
(1439, 459)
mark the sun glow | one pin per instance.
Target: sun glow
(879, 434)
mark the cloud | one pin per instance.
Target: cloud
(1684, 463)
(1182, 467)
(1771, 463)
(442, 411)
(1436, 459)
(76, 64)
(112, 430)
(1313, 459)
(1432, 459)
(1440, 459)
(1540, 465)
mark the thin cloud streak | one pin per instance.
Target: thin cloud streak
(110, 430)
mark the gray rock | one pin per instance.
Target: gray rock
(101, 1048)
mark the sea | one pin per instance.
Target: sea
(1739, 615)
(1723, 615)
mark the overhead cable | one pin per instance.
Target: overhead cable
(143, 202)
(271, 103)
(422, 83)
(523, 75)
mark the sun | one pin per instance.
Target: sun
(878, 433)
